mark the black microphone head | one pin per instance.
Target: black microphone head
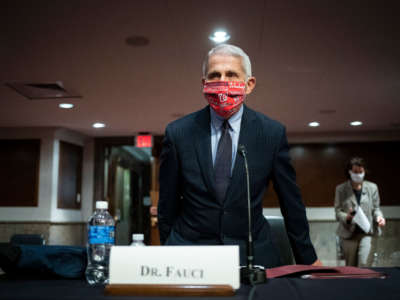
(242, 149)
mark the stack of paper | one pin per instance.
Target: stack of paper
(361, 220)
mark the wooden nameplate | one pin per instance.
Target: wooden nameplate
(168, 290)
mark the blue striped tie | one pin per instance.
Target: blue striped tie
(223, 163)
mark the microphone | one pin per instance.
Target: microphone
(250, 274)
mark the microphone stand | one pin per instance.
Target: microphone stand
(250, 274)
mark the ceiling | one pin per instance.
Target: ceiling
(326, 61)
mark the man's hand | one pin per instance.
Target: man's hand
(317, 263)
(381, 221)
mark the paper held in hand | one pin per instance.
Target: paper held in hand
(361, 220)
(187, 265)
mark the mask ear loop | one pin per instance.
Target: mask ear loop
(246, 85)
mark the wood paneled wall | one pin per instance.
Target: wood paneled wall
(320, 167)
(19, 172)
(70, 176)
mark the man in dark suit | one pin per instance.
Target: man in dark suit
(202, 178)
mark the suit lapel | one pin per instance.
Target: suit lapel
(203, 148)
(351, 192)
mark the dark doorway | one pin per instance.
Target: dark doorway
(124, 178)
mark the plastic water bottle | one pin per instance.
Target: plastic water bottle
(137, 239)
(101, 236)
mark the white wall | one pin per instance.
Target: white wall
(48, 176)
(328, 213)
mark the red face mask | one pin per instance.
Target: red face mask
(225, 97)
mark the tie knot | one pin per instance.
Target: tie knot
(225, 125)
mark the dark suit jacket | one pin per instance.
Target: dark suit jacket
(188, 206)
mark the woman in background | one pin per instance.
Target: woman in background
(357, 193)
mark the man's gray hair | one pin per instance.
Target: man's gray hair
(229, 50)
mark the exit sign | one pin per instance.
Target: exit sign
(144, 141)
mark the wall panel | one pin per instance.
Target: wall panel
(320, 167)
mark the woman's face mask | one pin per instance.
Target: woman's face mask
(357, 177)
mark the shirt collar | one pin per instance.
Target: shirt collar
(234, 120)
